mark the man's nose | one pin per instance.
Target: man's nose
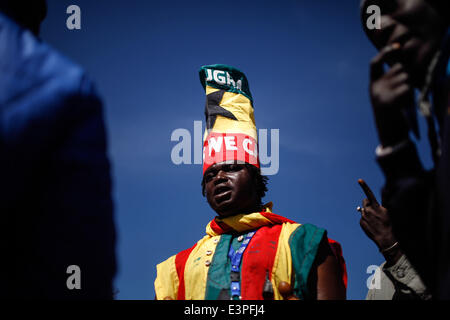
(221, 176)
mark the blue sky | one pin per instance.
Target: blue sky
(307, 66)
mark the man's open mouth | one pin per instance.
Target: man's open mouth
(222, 193)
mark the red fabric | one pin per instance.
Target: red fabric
(337, 250)
(220, 146)
(180, 263)
(276, 219)
(258, 261)
(219, 227)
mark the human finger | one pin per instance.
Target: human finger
(403, 89)
(365, 203)
(385, 54)
(368, 192)
(366, 227)
(395, 69)
(400, 79)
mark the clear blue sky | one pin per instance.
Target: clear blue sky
(307, 65)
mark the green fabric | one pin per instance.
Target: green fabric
(220, 268)
(236, 75)
(304, 243)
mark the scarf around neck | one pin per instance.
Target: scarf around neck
(245, 222)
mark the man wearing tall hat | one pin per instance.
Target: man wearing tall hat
(248, 252)
(414, 42)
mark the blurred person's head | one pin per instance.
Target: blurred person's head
(417, 25)
(27, 13)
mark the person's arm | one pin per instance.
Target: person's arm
(327, 275)
(325, 278)
(391, 94)
(376, 223)
(405, 278)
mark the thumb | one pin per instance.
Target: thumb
(286, 291)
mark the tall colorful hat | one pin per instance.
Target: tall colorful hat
(230, 133)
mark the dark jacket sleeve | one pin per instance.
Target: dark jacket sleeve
(408, 195)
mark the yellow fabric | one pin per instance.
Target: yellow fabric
(282, 265)
(243, 222)
(196, 269)
(241, 107)
(166, 282)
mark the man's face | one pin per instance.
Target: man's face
(415, 25)
(230, 189)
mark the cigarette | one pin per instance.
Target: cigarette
(396, 45)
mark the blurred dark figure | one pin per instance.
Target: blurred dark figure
(414, 43)
(55, 183)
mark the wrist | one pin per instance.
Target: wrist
(382, 151)
(391, 253)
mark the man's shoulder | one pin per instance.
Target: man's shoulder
(306, 230)
(32, 69)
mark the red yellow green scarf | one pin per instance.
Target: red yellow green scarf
(281, 250)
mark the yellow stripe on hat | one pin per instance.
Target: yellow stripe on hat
(241, 107)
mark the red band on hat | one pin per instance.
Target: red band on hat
(220, 147)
